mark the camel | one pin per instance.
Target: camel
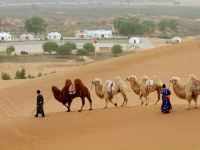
(145, 87)
(189, 91)
(109, 88)
(71, 91)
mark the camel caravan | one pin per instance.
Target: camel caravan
(108, 89)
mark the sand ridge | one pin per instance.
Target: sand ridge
(135, 127)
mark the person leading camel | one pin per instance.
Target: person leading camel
(40, 103)
(166, 104)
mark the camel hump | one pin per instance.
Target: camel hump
(68, 82)
(157, 80)
(78, 81)
(120, 83)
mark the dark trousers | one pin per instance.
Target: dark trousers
(40, 110)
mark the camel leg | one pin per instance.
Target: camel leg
(141, 99)
(158, 92)
(147, 100)
(189, 103)
(125, 100)
(83, 103)
(90, 101)
(106, 100)
(115, 104)
(195, 101)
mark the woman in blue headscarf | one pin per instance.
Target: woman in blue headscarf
(166, 104)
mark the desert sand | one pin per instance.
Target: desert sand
(136, 127)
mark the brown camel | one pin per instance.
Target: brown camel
(188, 91)
(146, 87)
(71, 91)
(109, 88)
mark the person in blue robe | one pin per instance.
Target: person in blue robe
(166, 104)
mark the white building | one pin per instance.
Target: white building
(25, 37)
(99, 34)
(5, 36)
(134, 40)
(175, 40)
(81, 35)
(54, 36)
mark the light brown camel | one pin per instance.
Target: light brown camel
(71, 91)
(145, 87)
(189, 91)
(109, 88)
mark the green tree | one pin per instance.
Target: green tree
(82, 52)
(149, 26)
(163, 25)
(10, 49)
(116, 49)
(5, 76)
(173, 25)
(50, 46)
(35, 25)
(66, 49)
(89, 47)
(20, 74)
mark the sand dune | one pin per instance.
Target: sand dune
(135, 127)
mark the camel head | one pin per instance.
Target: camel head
(97, 81)
(132, 78)
(174, 80)
(57, 94)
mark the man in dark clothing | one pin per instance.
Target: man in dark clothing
(40, 102)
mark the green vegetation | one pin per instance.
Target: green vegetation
(116, 49)
(66, 49)
(20, 74)
(35, 25)
(39, 74)
(82, 52)
(50, 46)
(133, 26)
(5, 76)
(10, 49)
(89, 48)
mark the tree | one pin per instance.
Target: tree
(89, 47)
(5, 76)
(173, 25)
(66, 49)
(50, 46)
(35, 25)
(116, 49)
(82, 52)
(148, 26)
(163, 25)
(20, 74)
(10, 49)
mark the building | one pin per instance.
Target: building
(25, 37)
(54, 36)
(99, 34)
(134, 40)
(81, 35)
(175, 40)
(5, 36)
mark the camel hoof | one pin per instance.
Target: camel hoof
(115, 104)
(105, 107)
(90, 109)
(68, 110)
(79, 110)
(146, 104)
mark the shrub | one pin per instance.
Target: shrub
(88, 48)
(50, 46)
(39, 74)
(116, 49)
(5, 76)
(66, 49)
(10, 49)
(20, 74)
